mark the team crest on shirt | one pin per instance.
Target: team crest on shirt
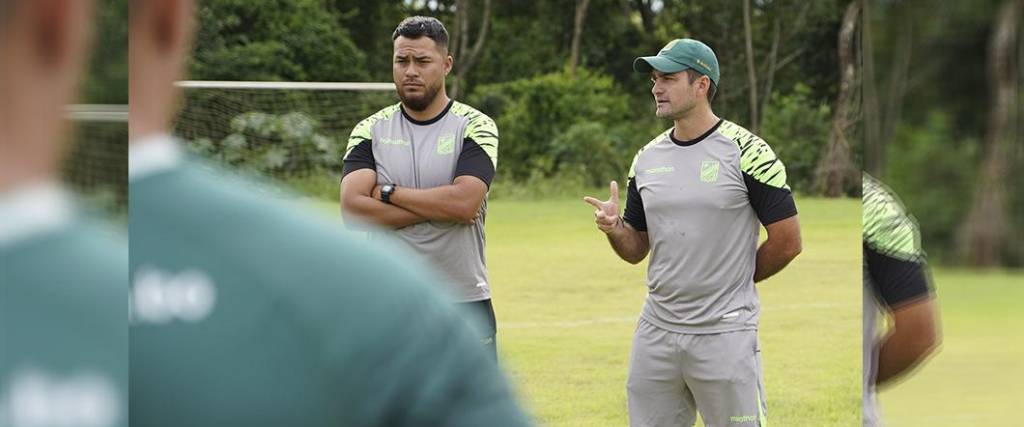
(709, 171)
(446, 144)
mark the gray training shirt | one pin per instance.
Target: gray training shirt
(426, 154)
(700, 202)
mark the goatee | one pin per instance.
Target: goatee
(421, 102)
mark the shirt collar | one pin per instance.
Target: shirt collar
(34, 209)
(151, 155)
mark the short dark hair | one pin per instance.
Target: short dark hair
(415, 27)
(694, 75)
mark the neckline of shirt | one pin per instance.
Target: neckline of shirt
(34, 209)
(428, 121)
(686, 143)
(152, 154)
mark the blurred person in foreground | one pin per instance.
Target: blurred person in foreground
(897, 292)
(246, 311)
(63, 271)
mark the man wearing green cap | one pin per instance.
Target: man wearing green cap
(696, 195)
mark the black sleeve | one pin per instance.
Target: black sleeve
(360, 157)
(474, 161)
(896, 281)
(634, 214)
(772, 204)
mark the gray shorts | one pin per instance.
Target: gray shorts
(672, 376)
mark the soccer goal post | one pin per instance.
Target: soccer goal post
(284, 130)
(96, 157)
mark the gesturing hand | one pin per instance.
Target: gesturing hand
(607, 214)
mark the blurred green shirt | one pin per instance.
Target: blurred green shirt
(248, 312)
(63, 318)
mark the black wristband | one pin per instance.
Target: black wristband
(386, 191)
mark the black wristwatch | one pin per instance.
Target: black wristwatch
(386, 191)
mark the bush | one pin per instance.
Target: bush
(932, 180)
(555, 124)
(797, 128)
(274, 145)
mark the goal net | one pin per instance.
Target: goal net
(96, 157)
(293, 132)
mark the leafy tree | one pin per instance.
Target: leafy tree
(295, 40)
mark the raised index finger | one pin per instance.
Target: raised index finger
(594, 202)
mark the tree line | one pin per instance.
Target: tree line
(923, 94)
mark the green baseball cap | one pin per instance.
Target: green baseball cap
(678, 55)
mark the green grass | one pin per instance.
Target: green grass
(975, 378)
(567, 307)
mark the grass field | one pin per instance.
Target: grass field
(975, 379)
(567, 307)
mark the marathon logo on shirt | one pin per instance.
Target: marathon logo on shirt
(160, 297)
(34, 398)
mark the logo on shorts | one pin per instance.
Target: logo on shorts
(709, 170)
(743, 419)
(446, 144)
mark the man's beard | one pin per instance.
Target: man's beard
(419, 102)
(677, 113)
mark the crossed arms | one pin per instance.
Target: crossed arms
(458, 202)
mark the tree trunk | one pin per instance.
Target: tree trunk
(772, 66)
(986, 231)
(889, 115)
(456, 32)
(464, 57)
(874, 151)
(751, 74)
(577, 32)
(646, 15)
(897, 86)
(835, 167)
(478, 45)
